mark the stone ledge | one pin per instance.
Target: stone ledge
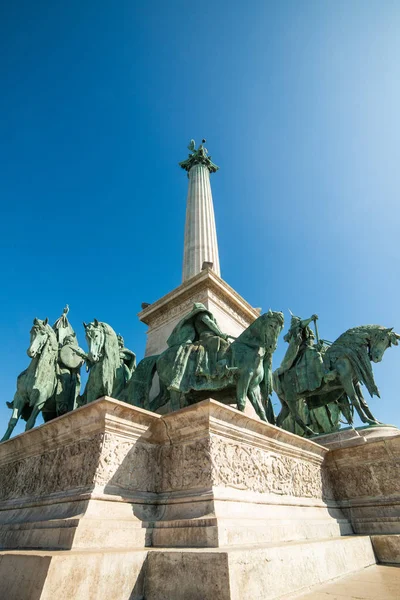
(345, 438)
(103, 415)
(216, 418)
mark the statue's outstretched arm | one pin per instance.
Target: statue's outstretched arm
(306, 322)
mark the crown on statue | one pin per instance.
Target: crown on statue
(198, 157)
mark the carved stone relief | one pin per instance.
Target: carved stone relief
(186, 466)
(68, 467)
(178, 310)
(370, 480)
(245, 467)
(127, 465)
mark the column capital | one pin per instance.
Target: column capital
(198, 157)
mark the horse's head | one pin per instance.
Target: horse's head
(95, 338)
(39, 335)
(266, 329)
(380, 341)
(276, 320)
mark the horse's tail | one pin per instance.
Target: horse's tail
(138, 389)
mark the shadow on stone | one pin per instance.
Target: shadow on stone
(29, 575)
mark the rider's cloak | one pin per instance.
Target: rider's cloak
(304, 361)
(185, 332)
(185, 367)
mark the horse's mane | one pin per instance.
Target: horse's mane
(111, 347)
(363, 332)
(352, 344)
(52, 336)
(248, 337)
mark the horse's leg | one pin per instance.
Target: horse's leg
(242, 387)
(38, 404)
(289, 405)
(285, 412)
(255, 398)
(344, 369)
(18, 404)
(299, 420)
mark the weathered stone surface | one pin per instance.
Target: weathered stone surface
(387, 548)
(243, 499)
(60, 483)
(244, 467)
(252, 572)
(207, 475)
(73, 575)
(364, 471)
(59, 470)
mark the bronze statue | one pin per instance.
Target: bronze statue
(330, 375)
(199, 361)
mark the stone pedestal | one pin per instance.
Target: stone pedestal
(113, 501)
(232, 312)
(364, 468)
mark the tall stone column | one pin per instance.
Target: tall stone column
(200, 232)
(231, 311)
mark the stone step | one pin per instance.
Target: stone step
(222, 532)
(387, 548)
(65, 534)
(258, 572)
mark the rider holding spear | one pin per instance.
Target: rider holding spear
(303, 355)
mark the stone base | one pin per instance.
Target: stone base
(347, 437)
(364, 471)
(106, 499)
(259, 573)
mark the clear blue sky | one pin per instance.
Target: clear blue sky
(299, 102)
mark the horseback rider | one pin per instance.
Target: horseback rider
(303, 355)
(197, 331)
(70, 360)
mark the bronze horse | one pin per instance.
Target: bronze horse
(348, 364)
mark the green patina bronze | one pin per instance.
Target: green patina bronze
(36, 385)
(68, 369)
(317, 382)
(51, 383)
(110, 364)
(198, 157)
(199, 360)
(126, 367)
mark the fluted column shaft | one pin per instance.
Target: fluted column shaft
(200, 231)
